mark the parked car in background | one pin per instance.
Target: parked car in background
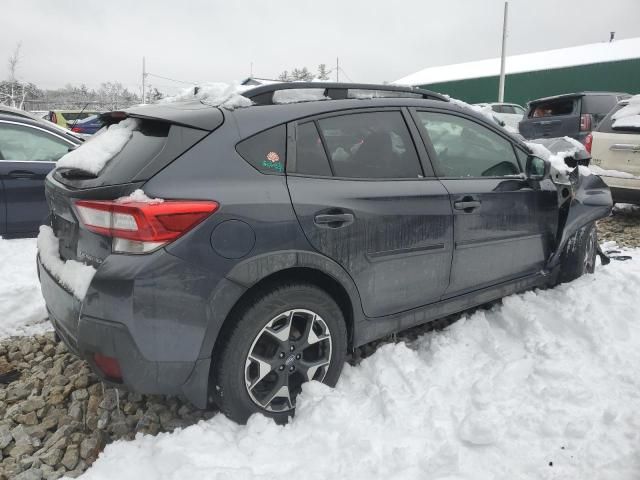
(615, 149)
(87, 126)
(510, 113)
(29, 149)
(290, 233)
(573, 114)
(66, 118)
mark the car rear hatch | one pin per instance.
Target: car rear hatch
(617, 150)
(163, 133)
(552, 117)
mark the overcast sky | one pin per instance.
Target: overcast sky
(90, 41)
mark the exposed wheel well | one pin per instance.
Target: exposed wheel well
(295, 274)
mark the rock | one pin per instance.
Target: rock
(80, 395)
(29, 419)
(49, 350)
(31, 474)
(71, 457)
(59, 380)
(91, 447)
(20, 450)
(110, 399)
(32, 404)
(5, 436)
(75, 411)
(21, 436)
(52, 456)
(18, 392)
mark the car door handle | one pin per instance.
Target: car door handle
(333, 220)
(21, 174)
(468, 204)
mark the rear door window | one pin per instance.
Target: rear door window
(266, 150)
(465, 148)
(553, 108)
(370, 145)
(311, 158)
(18, 142)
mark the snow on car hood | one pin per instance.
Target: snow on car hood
(543, 385)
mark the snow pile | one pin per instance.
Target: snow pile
(22, 310)
(542, 386)
(481, 109)
(216, 94)
(71, 274)
(296, 95)
(628, 116)
(94, 154)
(559, 169)
(138, 196)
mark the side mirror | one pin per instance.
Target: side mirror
(537, 168)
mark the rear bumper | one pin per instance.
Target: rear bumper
(86, 335)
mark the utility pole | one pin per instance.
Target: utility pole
(504, 52)
(337, 69)
(144, 78)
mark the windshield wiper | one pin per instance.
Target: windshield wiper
(76, 173)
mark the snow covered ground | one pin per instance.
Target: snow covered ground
(545, 385)
(22, 310)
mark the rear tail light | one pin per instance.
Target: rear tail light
(139, 227)
(109, 366)
(76, 129)
(588, 142)
(585, 122)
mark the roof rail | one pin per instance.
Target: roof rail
(263, 94)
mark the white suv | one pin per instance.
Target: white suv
(615, 150)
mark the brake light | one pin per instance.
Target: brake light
(109, 366)
(140, 227)
(76, 129)
(585, 122)
(588, 142)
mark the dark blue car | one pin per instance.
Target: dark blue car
(87, 126)
(29, 149)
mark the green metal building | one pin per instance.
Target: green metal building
(613, 66)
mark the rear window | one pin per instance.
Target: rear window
(76, 115)
(145, 146)
(266, 150)
(598, 104)
(606, 126)
(553, 108)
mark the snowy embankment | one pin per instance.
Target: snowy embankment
(545, 385)
(22, 310)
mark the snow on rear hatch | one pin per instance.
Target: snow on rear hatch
(94, 154)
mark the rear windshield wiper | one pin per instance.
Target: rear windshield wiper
(76, 173)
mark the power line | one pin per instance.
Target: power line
(171, 79)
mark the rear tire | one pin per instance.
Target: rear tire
(579, 255)
(283, 337)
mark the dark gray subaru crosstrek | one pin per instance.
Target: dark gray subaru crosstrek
(292, 233)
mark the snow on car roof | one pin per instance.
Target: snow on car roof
(528, 62)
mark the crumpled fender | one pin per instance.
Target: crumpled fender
(582, 199)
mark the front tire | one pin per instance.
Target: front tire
(283, 337)
(579, 255)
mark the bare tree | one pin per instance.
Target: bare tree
(15, 85)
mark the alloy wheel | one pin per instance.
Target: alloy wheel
(293, 347)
